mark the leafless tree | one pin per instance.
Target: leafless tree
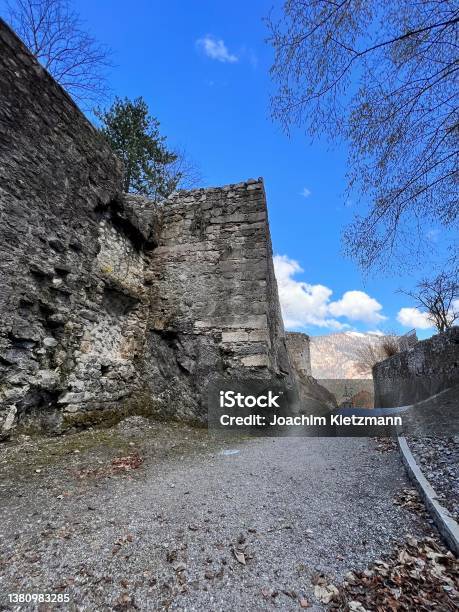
(56, 36)
(439, 298)
(385, 77)
(375, 350)
(185, 171)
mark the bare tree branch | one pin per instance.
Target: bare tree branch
(385, 77)
(439, 298)
(55, 35)
(377, 349)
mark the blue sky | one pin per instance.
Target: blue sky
(202, 66)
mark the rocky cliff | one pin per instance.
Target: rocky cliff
(336, 356)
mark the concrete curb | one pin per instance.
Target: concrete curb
(445, 523)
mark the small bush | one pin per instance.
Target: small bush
(391, 345)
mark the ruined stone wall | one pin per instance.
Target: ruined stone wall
(313, 395)
(94, 319)
(430, 367)
(72, 300)
(214, 305)
(299, 350)
(108, 304)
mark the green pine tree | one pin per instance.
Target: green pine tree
(133, 134)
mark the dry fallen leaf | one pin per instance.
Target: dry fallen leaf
(356, 606)
(418, 575)
(239, 556)
(130, 462)
(325, 593)
(350, 577)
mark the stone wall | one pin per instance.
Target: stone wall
(430, 367)
(299, 350)
(214, 308)
(108, 304)
(71, 316)
(346, 390)
(314, 397)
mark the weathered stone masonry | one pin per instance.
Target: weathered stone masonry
(109, 305)
(300, 351)
(428, 368)
(313, 396)
(214, 297)
(72, 299)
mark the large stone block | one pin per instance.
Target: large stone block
(236, 336)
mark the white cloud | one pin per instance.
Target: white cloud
(304, 304)
(358, 306)
(306, 192)
(216, 49)
(412, 317)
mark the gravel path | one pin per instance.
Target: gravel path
(438, 459)
(166, 535)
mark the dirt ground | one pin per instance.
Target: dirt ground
(155, 516)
